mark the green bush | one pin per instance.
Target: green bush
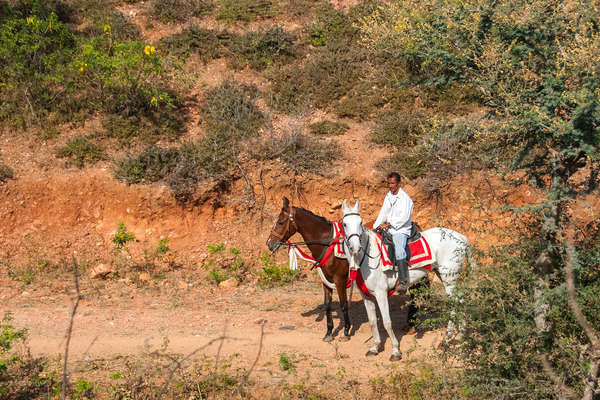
(244, 10)
(151, 165)
(261, 49)
(274, 275)
(180, 10)
(81, 151)
(329, 128)
(21, 375)
(34, 54)
(121, 26)
(122, 236)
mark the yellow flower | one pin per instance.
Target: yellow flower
(106, 28)
(30, 20)
(152, 49)
(147, 50)
(154, 102)
(80, 69)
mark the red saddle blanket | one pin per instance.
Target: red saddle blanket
(420, 254)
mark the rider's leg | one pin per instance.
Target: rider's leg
(401, 261)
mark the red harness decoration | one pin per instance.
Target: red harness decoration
(336, 247)
(355, 275)
(421, 257)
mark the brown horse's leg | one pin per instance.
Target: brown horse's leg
(328, 295)
(340, 285)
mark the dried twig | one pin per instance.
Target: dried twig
(70, 330)
(260, 345)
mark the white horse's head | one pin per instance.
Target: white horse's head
(353, 227)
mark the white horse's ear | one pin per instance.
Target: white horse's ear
(357, 206)
(344, 206)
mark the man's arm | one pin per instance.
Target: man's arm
(382, 214)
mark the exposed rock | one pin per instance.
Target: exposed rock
(100, 271)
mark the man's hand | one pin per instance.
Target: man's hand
(385, 225)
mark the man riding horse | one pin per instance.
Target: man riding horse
(396, 217)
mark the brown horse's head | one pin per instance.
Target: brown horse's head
(284, 227)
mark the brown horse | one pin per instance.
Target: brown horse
(317, 234)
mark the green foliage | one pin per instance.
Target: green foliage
(34, 51)
(215, 248)
(83, 389)
(274, 275)
(263, 48)
(81, 151)
(6, 173)
(329, 128)
(223, 265)
(122, 236)
(286, 363)
(162, 247)
(122, 28)
(399, 129)
(180, 10)
(21, 376)
(244, 10)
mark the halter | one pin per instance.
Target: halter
(365, 251)
(289, 221)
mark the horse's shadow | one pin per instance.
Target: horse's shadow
(358, 316)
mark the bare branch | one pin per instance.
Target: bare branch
(260, 345)
(70, 329)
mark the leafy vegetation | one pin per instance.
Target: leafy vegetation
(6, 173)
(244, 10)
(180, 10)
(81, 151)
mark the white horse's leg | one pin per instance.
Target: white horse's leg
(372, 314)
(448, 275)
(384, 309)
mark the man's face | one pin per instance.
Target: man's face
(393, 185)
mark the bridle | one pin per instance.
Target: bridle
(288, 222)
(365, 250)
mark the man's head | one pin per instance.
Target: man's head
(393, 182)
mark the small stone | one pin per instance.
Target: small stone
(144, 277)
(229, 283)
(260, 321)
(182, 285)
(100, 271)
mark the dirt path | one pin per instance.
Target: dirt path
(124, 320)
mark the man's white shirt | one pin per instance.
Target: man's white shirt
(397, 211)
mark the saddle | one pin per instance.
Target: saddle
(386, 237)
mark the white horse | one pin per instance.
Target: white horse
(448, 247)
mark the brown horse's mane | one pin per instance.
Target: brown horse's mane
(313, 214)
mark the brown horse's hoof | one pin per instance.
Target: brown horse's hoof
(396, 357)
(371, 353)
(344, 338)
(328, 338)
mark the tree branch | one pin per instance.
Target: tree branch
(591, 382)
(70, 330)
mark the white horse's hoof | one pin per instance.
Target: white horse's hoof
(396, 356)
(344, 338)
(328, 338)
(371, 352)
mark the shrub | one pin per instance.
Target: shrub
(121, 27)
(6, 173)
(244, 10)
(229, 113)
(328, 128)
(400, 129)
(21, 376)
(208, 44)
(81, 151)
(180, 10)
(262, 49)
(34, 52)
(122, 236)
(274, 275)
(299, 152)
(151, 165)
